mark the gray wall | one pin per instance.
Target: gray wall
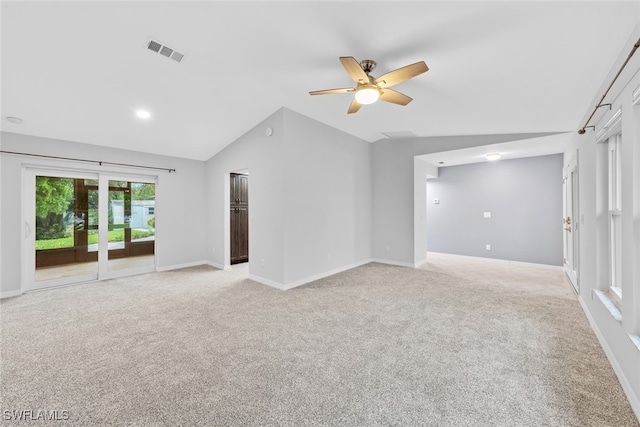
(524, 197)
(399, 191)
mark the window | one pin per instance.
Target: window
(615, 216)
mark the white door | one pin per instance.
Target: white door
(570, 223)
(84, 226)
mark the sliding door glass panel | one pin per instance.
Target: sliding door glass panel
(62, 226)
(131, 225)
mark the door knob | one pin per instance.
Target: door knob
(568, 220)
(567, 228)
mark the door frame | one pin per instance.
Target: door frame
(571, 209)
(227, 216)
(29, 173)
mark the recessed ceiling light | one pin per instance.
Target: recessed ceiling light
(14, 120)
(143, 114)
(493, 156)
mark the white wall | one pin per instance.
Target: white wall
(328, 199)
(263, 157)
(619, 337)
(179, 196)
(309, 199)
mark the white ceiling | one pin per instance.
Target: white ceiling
(78, 70)
(541, 146)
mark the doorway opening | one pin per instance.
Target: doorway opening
(238, 218)
(570, 222)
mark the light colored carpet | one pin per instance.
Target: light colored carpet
(376, 345)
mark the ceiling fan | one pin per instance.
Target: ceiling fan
(369, 89)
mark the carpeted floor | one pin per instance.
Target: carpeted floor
(377, 345)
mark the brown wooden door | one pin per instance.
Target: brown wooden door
(239, 216)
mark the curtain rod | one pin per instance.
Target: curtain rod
(89, 161)
(582, 130)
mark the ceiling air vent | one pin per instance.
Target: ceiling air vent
(400, 134)
(165, 50)
(154, 46)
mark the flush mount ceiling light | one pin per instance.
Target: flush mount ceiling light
(493, 156)
(143, 114)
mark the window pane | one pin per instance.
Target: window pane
(143, 219)
(55, 217)
(131, 225)
(616, 252)
(63, 217)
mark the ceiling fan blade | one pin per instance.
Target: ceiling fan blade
(390, 95)
(401, 74)
(354, 69)
(354, 107)
(331, 91)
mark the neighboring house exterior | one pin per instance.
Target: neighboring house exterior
(142, 212)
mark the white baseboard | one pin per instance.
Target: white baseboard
(267, 282)
(315, 277)
(503, 261)
(390, 262)
(218, 266)
(189, 264)
(10, 294)
(634, 400)
(309, 279)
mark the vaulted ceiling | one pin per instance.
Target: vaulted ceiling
(79, 70)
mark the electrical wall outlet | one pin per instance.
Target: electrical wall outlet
(488, 247)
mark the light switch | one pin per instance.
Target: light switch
(436, 201)
(487, 214)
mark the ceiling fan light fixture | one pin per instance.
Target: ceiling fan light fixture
(367, 95)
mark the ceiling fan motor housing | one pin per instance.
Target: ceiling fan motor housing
(368, 65)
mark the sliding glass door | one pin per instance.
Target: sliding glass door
(81, 227)
(60, 229)
(132, 219)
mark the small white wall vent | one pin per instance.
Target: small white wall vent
(163, 50)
